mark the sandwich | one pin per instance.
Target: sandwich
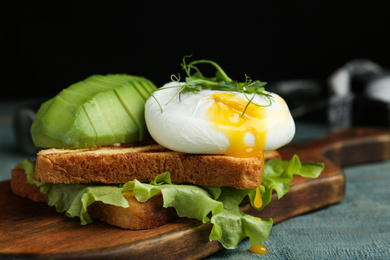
(118, 149)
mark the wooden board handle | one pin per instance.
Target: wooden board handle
(340, 148)
(346, 146)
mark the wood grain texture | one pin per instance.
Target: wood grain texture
(31, 230)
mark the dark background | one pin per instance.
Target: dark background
(47, 46)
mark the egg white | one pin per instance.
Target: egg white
(183, 127)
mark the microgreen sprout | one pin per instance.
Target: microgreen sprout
(196, 82)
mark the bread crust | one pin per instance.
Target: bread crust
(19, 186)
(120, 164)
(139, 215)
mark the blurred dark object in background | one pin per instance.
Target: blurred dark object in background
(305, 97)
(359, 95)
(22, 120)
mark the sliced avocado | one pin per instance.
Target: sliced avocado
(93, 110)
(100, 110)
(139, 85)
(130, 98)
(71, 128)
(122, 125)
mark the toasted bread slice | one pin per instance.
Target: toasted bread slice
(139, 215)
(120, 164)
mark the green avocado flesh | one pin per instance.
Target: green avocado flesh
(100, 110)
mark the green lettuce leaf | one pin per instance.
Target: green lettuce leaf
(188, 200)
(278, 175)
(232, 197)
(231, 226)
(74, 199)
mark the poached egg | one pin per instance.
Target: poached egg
(213, 122)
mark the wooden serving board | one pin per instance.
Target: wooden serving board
(34, 230)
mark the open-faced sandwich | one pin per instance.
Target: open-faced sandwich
(118, 149)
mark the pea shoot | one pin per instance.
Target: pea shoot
(196, 82)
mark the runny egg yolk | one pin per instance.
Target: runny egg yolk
(260, 249)
(246, 132)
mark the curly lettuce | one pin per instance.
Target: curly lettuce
(278, 175)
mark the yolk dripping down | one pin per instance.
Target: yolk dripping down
(226, 115)
(247, 132)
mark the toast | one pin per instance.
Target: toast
(139, 215)
(123, 163)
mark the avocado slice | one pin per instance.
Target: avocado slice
(100, 110)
